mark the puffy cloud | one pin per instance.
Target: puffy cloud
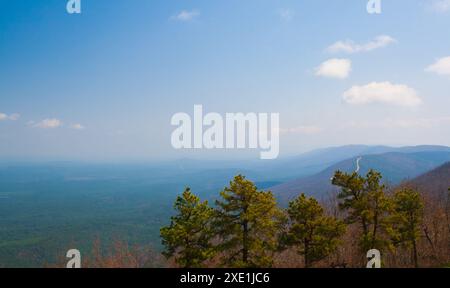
(382, 92)
(335, 68)
(440, 67)
(185, 16)
(348, 46)
(48, 124)
(12, 117)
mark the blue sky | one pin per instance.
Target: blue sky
(104, 85)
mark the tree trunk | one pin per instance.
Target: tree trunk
(245, 240)
(307, 264)
(416, 261)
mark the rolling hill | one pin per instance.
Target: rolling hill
(435, 182)
(394, 166)
(311, 163)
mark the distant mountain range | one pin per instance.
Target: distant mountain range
(307, 164)
(434, 183)
(395, 164)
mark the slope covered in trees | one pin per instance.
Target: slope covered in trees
(246, 227)
(395, 167)
(434, 182)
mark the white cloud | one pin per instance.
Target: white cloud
(47, 124)
(185, 16)
(286, 14)
(12, 117)
(441, 67)
(335, 68)
(348, 46)
(382, 92)
(77, 127)
(441, 6)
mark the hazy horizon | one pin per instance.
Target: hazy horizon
(200, 157)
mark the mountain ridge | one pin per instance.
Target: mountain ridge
(394, 166)
(434, 183)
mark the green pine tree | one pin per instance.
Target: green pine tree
(407, 219)
(248, 222)
(366, 203)
(314, 234)
(188, 238)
